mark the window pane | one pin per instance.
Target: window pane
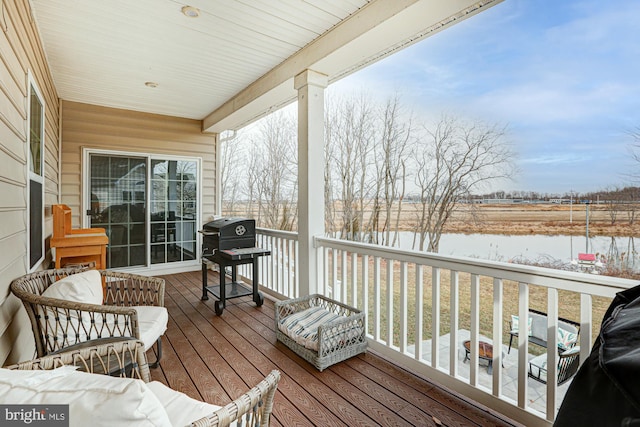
(36, 183)
(35, 222)
(35, 133)
(118, 193)
(173, 202)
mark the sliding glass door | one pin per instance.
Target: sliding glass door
(173, 210)
(154, 226)
(118, 204)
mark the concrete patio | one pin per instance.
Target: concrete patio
(536, 391)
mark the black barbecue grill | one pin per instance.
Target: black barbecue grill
(230, 242)
(228, 233)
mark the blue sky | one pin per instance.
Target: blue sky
(563, 75)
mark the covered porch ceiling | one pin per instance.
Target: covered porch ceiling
(235, 61)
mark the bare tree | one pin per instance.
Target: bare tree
(349, 139)
(455, 158)
(634, 195)
(252, 189)
(231, 175)
(635, 150)
(329, 190)
(631, 198)
(612, 202)
(272, 173)
(392, 154)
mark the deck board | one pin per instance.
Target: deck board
(217, 358)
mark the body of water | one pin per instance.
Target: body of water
(532, 248)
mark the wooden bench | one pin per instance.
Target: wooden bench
(538, 334)
(79, 245)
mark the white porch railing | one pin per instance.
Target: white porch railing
(278, 272)
(418, 305)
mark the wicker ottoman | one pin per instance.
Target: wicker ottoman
(320, 330)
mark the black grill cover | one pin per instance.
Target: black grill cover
(606, 389)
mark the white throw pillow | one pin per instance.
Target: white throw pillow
(70, 328)
(94, 400)
(81, 287)
(182, 409)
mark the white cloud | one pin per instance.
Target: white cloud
(562, 74)
(551, 159)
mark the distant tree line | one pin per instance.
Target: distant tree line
(621, 203)
(617, 192)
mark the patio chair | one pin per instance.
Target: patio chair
(130, 399)
(568, 364)
(568, 330)
(67, 307)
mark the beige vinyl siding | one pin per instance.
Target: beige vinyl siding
(91, 126)
(20, 53)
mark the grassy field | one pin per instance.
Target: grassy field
(547, 219)
(510, 219)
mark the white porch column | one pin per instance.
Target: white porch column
(310, 86)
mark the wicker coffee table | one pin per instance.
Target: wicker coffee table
(485, 352)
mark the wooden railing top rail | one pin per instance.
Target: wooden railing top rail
(290, 235)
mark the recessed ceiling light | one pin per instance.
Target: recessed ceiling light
(151, 84)
(190, 11)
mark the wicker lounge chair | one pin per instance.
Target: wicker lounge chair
(252, 408)
(335, 333)
(60, 323)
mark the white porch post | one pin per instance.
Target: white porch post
(310, 86)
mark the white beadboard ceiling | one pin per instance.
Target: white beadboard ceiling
(231, 64)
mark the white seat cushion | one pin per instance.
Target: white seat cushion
(87, 287)
(94, 400)
(152, 322)
(538, 367)
(182, 409)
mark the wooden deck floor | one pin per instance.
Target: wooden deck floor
(217, 358)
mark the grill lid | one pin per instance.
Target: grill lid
(228, 233)
(232, 227)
